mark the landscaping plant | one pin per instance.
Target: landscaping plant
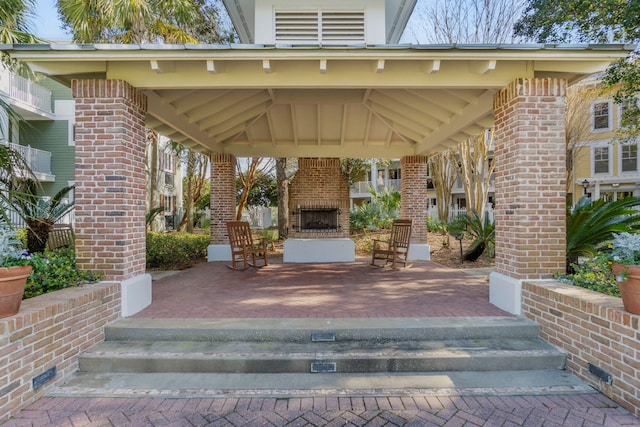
(175, 250)
(591, 225)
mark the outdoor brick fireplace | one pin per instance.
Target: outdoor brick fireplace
(319, 212)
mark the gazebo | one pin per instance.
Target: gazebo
(320, 102)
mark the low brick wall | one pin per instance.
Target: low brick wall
(592, 328)
(51, 331)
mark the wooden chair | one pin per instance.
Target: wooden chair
(61, 236)
(396, 249)
(244, 250)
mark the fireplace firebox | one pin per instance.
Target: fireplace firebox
(317, 220)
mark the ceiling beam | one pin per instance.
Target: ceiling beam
(193, 101)
(471, 114)
(233, 110)
(168, 115)
(221, 103)
(234, 121)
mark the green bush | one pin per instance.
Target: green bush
(55, 270)
(595, 274)
(175, 250)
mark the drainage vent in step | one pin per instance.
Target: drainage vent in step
(323, 336)
(323, 367)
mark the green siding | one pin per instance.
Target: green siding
(53, 137)
(58, 90)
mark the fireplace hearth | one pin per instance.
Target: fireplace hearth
(317, 220)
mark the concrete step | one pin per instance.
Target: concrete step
(513, 354)
(300, 330)
(542, 382)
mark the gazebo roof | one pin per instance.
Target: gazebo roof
(309, 101)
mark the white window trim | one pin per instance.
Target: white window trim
(601, 144)
(610, 118)
(625, 173)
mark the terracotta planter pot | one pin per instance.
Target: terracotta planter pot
(12, 281)
(630, 287)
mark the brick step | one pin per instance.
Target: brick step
(346, 356)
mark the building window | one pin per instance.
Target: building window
(629, 158)
(601, 116)
(624, 107)
(601, 164)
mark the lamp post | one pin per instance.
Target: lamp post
(585, 185)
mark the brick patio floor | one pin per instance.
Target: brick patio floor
(324, 290)
(427, 289)
(556, 410)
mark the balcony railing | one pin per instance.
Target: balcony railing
(363, 186)
(38, 160)
(20, 89)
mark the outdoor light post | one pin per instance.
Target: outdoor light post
(585, 185)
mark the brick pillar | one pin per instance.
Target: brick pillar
(223, 197)
(110, 177)
(530, 175)
(414, 172)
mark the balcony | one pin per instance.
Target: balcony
(361, 188)
(38, 160)
(27, 98)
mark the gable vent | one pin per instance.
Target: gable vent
(342, 27)
(297, 27)
(324, 27)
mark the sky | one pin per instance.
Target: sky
(46, 24)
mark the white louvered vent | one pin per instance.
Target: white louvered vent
(343, 27)
(324, 27)
(297, 27)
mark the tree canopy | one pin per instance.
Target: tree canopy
(605, 21)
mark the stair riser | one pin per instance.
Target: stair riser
(347, 365)
(114, 333)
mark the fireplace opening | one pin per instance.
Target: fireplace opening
(318, 219)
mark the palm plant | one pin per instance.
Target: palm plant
(39, 213)
(482, 231)
(591, 225)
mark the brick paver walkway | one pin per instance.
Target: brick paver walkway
(427, 289)
(557, 410)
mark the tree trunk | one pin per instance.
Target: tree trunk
(37, 234)
(443, 173)
(283, 197)
(475, 171)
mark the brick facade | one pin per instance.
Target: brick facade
(51, 330)
(319, 183)
(415, 202)
(530, 177)
(110, 177)
(223, 196)
(592, 328)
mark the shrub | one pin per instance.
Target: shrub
(55, 270)
(175, 250)
(595, 274)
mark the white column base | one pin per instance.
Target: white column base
(419, 252)
(505, 293)
(219, 253)
(136, 294)
(319, 250)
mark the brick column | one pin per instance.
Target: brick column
(110, 177)
(530, 175)
(414, 172)
(223, 204)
